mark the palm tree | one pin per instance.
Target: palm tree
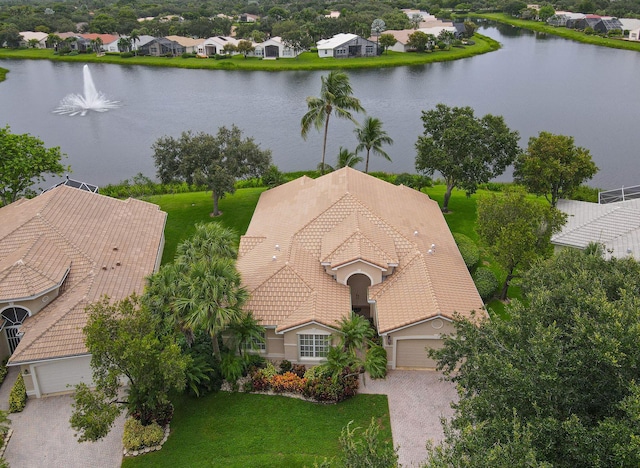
(245, 332)
(371, 137)
(124, 44)
(347, 158)
(209, 241)
(133, 37)
(335, 97)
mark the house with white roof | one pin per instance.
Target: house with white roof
(346, 45)
(402, 35)
(215, 45)
(614, 225)
(28, 36)
(275, 48)
(351, 243)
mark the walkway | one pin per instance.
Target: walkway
(43, 438)
(417, 400)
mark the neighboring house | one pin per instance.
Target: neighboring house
(630, 24)
(248, 18)
(333, 14)
(190, 45)
(606, 25)
(275, 48)
(402, 35)
(565, 18)
(346, 45)
(634, 35)
(351, 242)
(161, 46)
(76, 184)
(615, 225)
(59, 252)
(109, 41)
(215, 45)
(589, 21)
(141, 41)
(426, 17)
(28, 36)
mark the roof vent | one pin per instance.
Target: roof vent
(118, 263)
(415, 233)
(115, 248)
(104, 267)
(277, 246)
(273, 258)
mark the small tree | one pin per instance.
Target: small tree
(367, 450)
(545, 12)
(229, 48)
(127, 348)
(516, 230)
(245, 47)
(465, 149)
(553, 166)
(415, 20)
(421, 41)
(387, 40)
(24, 160)
(347, 158)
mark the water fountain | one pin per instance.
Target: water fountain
(91, 100)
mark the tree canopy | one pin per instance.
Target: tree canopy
(24, 161)
(516, 230)
(127, 348)
(553, 166)
(215, 161)
(556, 385)
(465, 149)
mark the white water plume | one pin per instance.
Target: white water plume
(91, 100)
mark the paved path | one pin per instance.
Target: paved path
(417, 400)
(43, 438)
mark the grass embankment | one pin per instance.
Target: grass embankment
(240, 430)
(187, 209)
(572, 34)
(306, 61)
(3, 74)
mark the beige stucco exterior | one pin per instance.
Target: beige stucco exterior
(291, 352)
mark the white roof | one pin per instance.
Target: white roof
(616, 225)
(629, 23)
(28, 35)
(437, 30)
(335, 41)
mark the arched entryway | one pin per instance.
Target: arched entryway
(13, 316)
(359, 286)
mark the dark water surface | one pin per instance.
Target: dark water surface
(536, 82)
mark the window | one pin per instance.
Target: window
(314, 346)
(257, 344)
(369, 50)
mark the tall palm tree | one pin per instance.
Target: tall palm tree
(347, 158)
(133, 37)
(335, 98)
(371, 137)
(209, 241)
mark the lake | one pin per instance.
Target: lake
(536, 82)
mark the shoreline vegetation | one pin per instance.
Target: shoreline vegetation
(3, 74)
(565, 33)
(306, 61)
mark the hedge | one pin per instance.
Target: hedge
(468, 249)
(18, 396)
(137, 436)
(486, 283)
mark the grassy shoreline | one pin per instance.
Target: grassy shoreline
(563, 32)
(3, 74)
(306, 61)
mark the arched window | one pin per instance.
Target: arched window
(14, 317)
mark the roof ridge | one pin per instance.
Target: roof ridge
(347, 194)
(590, 221)
(65, 239)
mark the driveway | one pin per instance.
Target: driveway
(42, 436)
(417, 400)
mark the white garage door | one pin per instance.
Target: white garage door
(54, 376)
(412, 353)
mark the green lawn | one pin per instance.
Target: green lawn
(185, 210)
(244, 430)
(567, 33)
(306, 61)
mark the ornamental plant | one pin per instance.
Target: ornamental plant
(18, 396)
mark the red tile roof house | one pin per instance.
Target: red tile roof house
(317, 249)
(59, 252)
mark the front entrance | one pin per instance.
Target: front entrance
(14, 317)
(359, 285)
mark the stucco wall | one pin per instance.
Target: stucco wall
(375, 274)
(291, 342)
(424, 329)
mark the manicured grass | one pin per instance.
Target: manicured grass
(567, 33)
(306, 61)
(244, 430)
(185, 210)
(3, 74)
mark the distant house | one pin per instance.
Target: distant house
(565, 18)
(351, 243)
(634, 35)
(215, 45)
(190, 45)
(109, 41)
(333, 14)
(608, 24)
(402, 35)
(142, 40)
(426, 17)
(345, 45)
(160, 47)
(275, 48)
(59, 252)
(38, 38)
(589, 21)
(629, 24)
(614, 225)
(248, 18)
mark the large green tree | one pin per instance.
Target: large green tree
(553, 166)
(556, 385)
(516, 230)
(335, 98)
(24, 161)
(387, 40)
(129, 354)
(215, 161)
(371, 137)
(465, 149)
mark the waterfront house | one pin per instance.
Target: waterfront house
(346, 45)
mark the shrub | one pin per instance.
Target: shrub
(18, 396)
(332, 389)
(285, 366)
(221, 57)
(585, 193)
(299, 370)
(232, 367)
(161, 414)
(273, 177)
(126, 55)
(3, 370)
(376, 362)
(468, 249)
(415, 181)
(486, 283)
(253, 361)
(73, 52)
(136, 436)
(288, 382)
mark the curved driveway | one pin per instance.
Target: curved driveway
(417, 400)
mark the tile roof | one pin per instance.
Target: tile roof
(342, 216)
(616, 225)
(111, 246)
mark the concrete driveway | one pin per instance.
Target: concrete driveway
(417, 400)
(42, 436)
